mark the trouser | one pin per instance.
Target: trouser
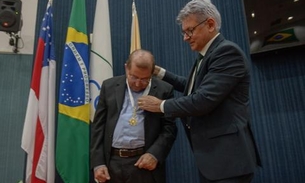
(122, 170)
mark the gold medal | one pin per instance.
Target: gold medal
(133, 121)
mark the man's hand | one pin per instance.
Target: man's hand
(149, 103)
(101, 174)
(156, 70)
(147, 161)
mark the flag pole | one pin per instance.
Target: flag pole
(135, 42)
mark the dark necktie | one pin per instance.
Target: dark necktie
(190, 87)
(199, 58)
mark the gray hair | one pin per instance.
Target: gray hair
(202, 9)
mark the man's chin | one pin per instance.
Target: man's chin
(193, 47)
(137, 90)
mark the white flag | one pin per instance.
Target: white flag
(101, 53)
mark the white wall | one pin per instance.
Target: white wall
(28, 12)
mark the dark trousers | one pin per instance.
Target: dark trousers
(122, 170)
(240, 179)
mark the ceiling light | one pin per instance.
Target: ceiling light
(252, 14)
(290, 18)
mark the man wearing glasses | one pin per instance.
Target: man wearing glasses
(129, 144)
(215, 105)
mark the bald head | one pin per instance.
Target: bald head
(142, 59)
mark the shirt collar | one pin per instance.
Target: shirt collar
(206, 47)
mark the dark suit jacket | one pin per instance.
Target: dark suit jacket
(160, 133)
(217, 112)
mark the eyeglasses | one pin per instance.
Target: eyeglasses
(143, 81)
(190, 31)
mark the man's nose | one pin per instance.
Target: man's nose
(138, 82)
(186, 37)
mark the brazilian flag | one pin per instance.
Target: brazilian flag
(284, 36)
(72, 142)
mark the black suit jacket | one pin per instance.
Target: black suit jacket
(217, 112)
(160, 133)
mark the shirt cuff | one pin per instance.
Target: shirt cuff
(153, 156)
(161, 73)
(162, 106)
(97, 167)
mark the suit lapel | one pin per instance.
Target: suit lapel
(153, 88)
(120, 86)
(153, 92)
(212, 47)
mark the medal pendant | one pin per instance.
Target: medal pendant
(133, 121)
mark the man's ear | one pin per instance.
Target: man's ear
(212, 24)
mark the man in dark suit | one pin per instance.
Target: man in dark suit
(215, 105)
(128, 144)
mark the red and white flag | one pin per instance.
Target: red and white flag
(39, 126)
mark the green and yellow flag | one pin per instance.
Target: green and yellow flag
(72, 143)
(283, 36)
